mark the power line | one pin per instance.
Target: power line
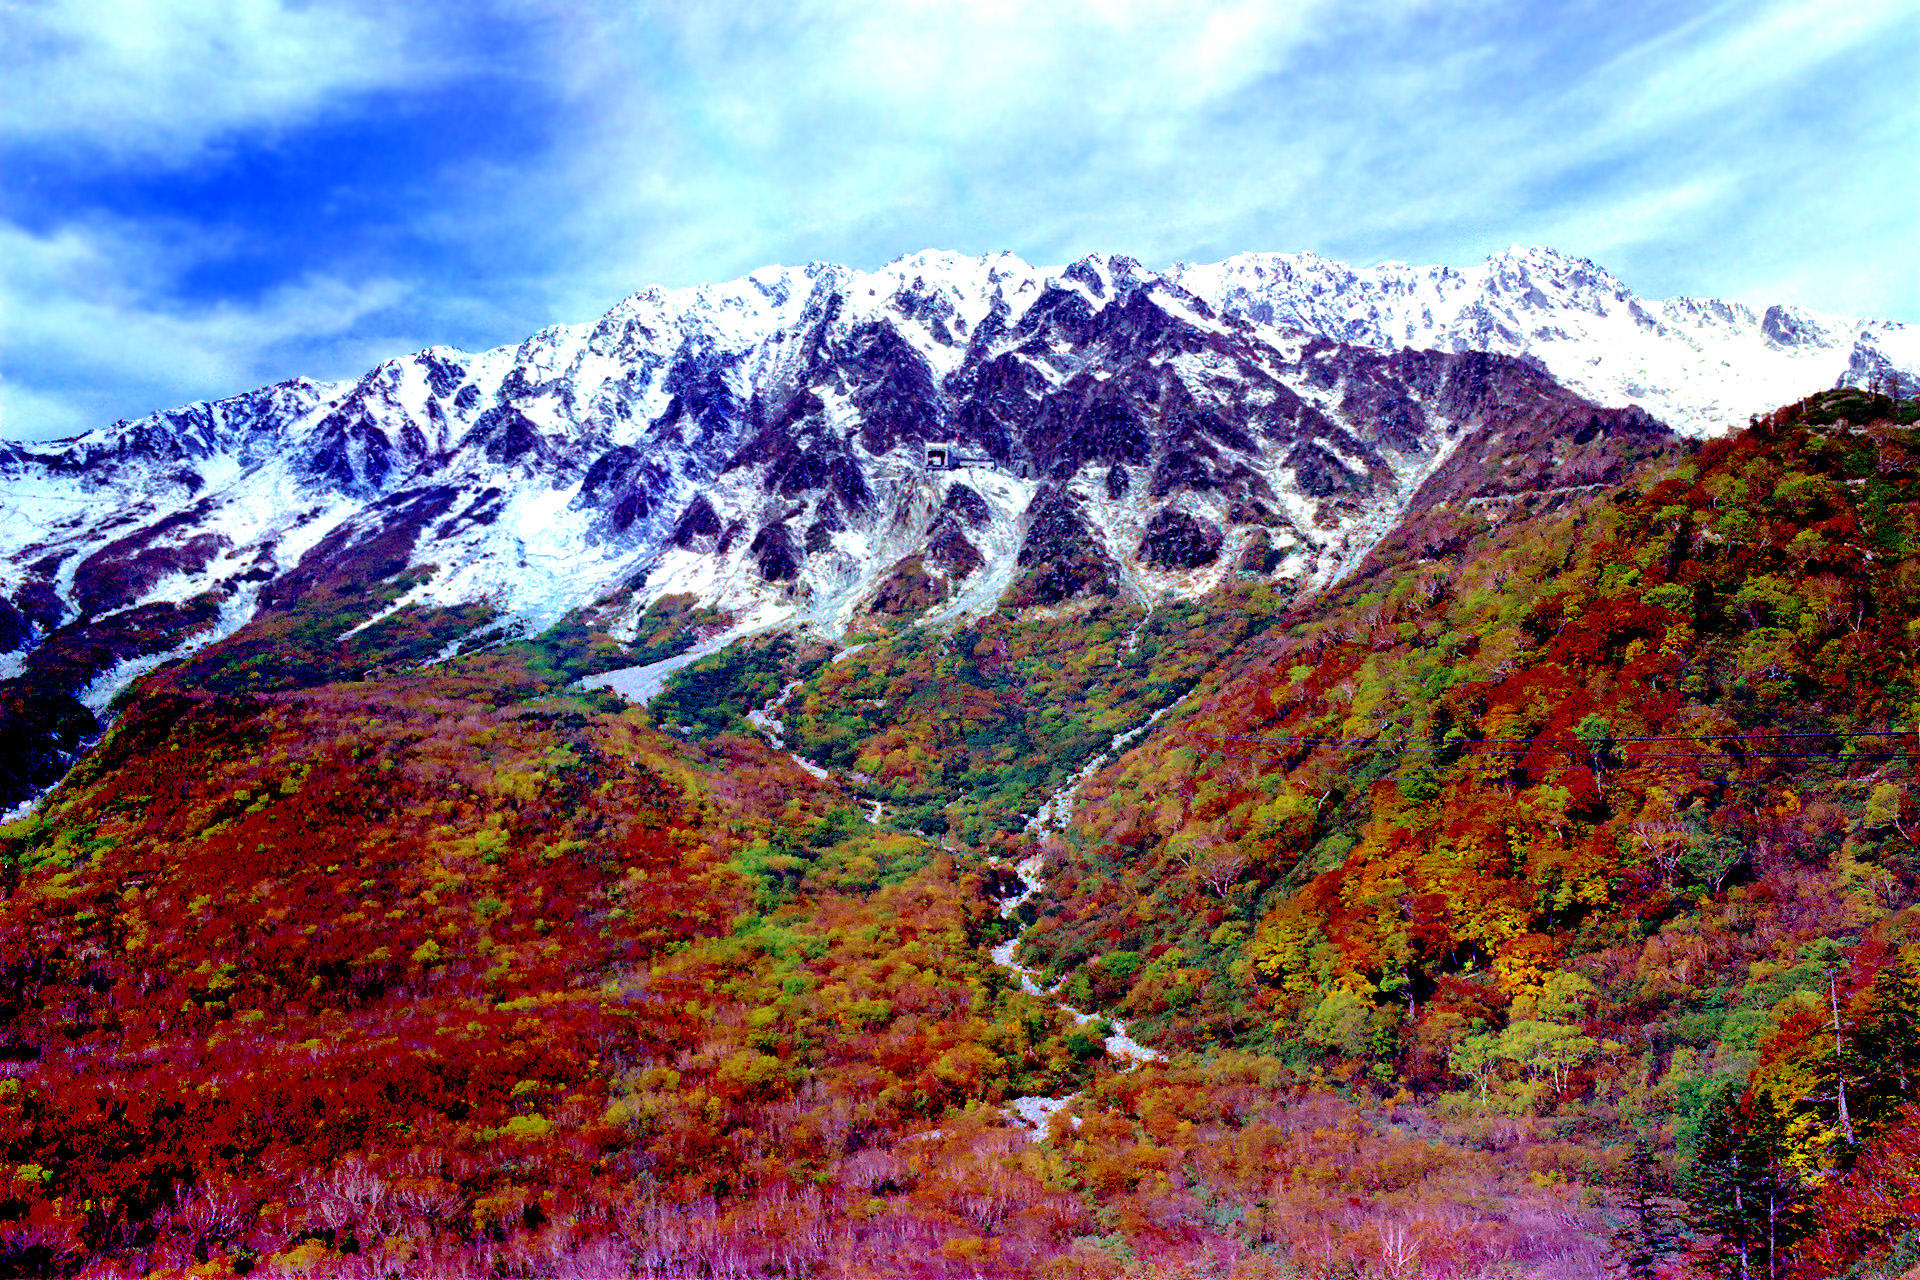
(1722, 780)
(1573, 743)
(1579, 751)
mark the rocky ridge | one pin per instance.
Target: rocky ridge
(808, 446)
(1701, 365)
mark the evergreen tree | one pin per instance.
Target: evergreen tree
(1886, 1043)
(1744, 1205)
(1648, 1230)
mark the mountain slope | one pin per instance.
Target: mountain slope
(314, 966)
(762, 447)
(1701, 365)
(367, 940)
(1601, 819)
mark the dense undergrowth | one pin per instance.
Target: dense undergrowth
(967, 733)
(1528, 831)
(1488, 931)
(389, 972)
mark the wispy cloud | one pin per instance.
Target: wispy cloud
(1729, 60)
(87, 312)
(101, 312)
(725, 137)
(163, 81)
(744, 133)
(561, 153)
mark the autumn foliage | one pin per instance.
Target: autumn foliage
(1542, 908)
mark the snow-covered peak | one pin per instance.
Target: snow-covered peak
(803, 444)
(1543, 277)
(1702, 365)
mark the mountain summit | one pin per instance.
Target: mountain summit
(808, 445)
(1700, 365)
(1133, 768)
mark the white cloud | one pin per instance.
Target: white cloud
(87, 310)
(703, 140)
(27, 413)
(709, 139)
(1715, 153)
(1629, 219)
(1730, 60)
(162, 80)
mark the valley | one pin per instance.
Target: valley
(1289, 804)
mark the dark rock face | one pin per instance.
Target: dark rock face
(352, 454)
(1083, 273)
(1063, 311)
(1289, 417)
(1319, 473)
(504, 434)
(624, 483)
(1868, 368)
(608, 474)
(1181, 468)
(443, 376)
(634, 505)
(1786, 330)
(893, 389)
(848, 484)
(801, 470)
(802, 458)
(1176, 540)
(1379, 401)
(997, 400)
(698, 521)
(702, 397)
(481, 512)
(1061, 557)
(1110, 432)
(826, 523)
(773, 549)
(966, 506)
(1056, 527)
(948, 545)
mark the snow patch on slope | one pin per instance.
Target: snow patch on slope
(1702, 366)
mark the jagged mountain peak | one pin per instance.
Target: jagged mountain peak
(1577, 281)
(1701, 365)
(787, 446)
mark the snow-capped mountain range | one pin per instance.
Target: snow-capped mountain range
(1700, 365)
(808, 444)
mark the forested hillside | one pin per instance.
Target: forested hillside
(1605, 821)
(1539, 900)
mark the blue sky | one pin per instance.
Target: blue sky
(202, 196)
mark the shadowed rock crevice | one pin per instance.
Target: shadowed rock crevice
(1176, 540)
(1061, 557)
